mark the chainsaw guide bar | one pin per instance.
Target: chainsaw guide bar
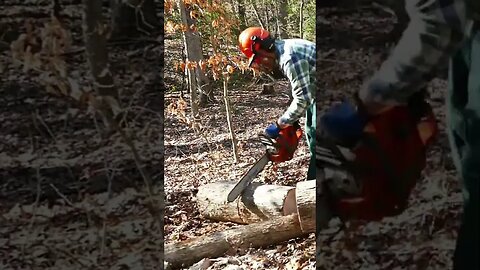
(247, 178)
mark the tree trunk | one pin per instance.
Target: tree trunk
(258, 202)
(266, 12)
(302, 3)
(192, 86)
(272, 211)
(282, 18)
(96, 50)
(206, 91)
(278, 31)
(241, 14)
(228, 109)
(254, 235)
(192, 51)
(133, 18)
(255, 10)
(199, 84)
(56, 8)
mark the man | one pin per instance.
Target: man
(294, 59)
(440, 30)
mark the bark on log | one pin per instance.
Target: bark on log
(254, 235)
(259, 202)
(305, 202)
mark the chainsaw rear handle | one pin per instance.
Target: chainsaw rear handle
(283, 147)
(266, 140)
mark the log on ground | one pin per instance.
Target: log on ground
(261, 234)
(259, 202)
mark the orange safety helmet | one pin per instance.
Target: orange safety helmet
(252, 39)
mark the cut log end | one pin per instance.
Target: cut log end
(290, 204)
(305, 202)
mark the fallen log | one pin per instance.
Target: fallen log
(259, 202)
(274, 231)
(274, 214)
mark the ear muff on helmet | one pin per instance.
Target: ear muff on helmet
(257, 44)
(252, 39)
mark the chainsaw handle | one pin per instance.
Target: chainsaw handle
(282, 148)
(269, 143)
(266, 140)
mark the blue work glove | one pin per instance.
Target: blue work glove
(343, 122)
(272, 131)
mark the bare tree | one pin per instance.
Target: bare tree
(255, 10)
(282, 17)
(228, 109)
(302, 3)
(241, 13)
(95, 35)
(199, 84)
(266, 12)
(133, 17)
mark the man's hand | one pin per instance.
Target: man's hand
(286, 141)
(344, 122)
(272, 130)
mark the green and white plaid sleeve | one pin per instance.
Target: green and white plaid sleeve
(298, 73)
(436, 30)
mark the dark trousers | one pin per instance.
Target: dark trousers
(310, 130)
(463, 119)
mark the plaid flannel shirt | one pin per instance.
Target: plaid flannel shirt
(436, 30)
(297, 60)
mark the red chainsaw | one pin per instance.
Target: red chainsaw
(277, 150)
(374, 178)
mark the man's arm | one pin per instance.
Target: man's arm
(436, 30)
(298, 74)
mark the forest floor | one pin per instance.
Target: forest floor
(350, 45)
(70, 198)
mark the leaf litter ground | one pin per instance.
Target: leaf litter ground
(56, 170)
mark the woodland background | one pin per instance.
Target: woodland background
(81, 137)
